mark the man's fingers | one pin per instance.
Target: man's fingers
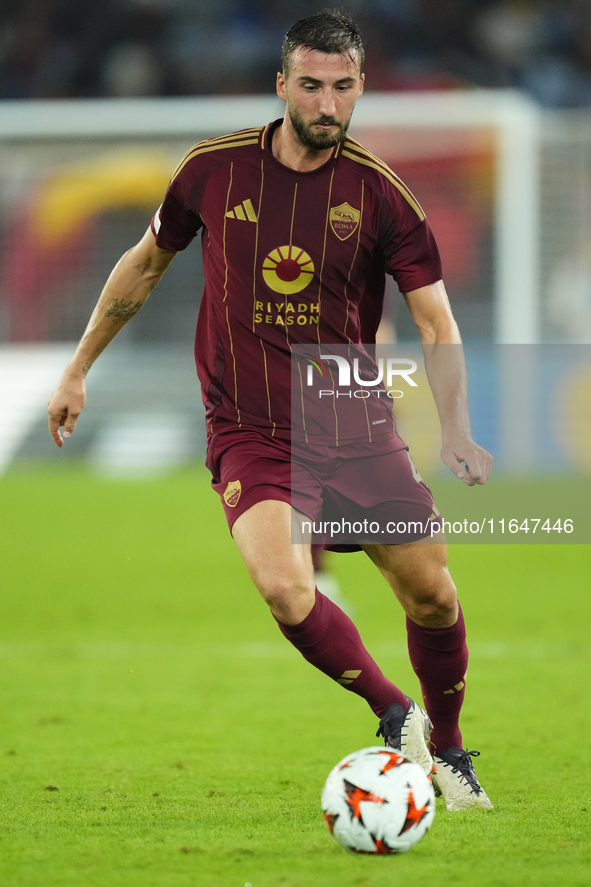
(63, 418)
(54, 422)
(70, 424)
(481, 472)
(471, 468)
(478, 468)
(461, 471)
(64, 408)
(474, 472)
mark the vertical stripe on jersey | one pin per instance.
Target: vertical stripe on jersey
(226, 294)
(334, 409)
(369, 437)
(235, 376)
(256, 245)
(224, 234)
(359, 226)
(295, 197)
(326, 223)
(267, 384)
(367, 420)
(302, 401)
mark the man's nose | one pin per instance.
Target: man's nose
(327, 103)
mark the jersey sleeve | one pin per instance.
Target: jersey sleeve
(177, 221)
(408, 245)
(173, 226)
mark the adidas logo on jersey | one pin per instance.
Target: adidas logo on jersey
(244, 211)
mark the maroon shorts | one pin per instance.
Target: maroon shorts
(353, 493)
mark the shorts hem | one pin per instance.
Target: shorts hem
(258, 493)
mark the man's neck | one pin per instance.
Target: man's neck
(289, 151)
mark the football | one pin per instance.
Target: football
(377, 801)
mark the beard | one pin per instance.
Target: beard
(318, 141)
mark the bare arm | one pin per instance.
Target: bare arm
(127, 289)
(446, 372)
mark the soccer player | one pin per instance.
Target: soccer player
(299, 223)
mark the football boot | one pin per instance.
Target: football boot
(408, 731)
(455, 779)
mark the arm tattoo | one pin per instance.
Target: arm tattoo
(122, 310)
(86, 367)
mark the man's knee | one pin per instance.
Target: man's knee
(433, 601)
(429, 595)
(279, 589)
(288, 593)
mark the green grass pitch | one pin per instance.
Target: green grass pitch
(157, 730)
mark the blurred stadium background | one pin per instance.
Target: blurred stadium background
(483, 108)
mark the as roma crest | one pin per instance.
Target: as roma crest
(344, 220)
(232, 493)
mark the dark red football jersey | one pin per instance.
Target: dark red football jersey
(290, 258)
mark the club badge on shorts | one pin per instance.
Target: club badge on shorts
(232, 493)
(344, 220)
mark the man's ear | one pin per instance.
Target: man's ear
(281, 86)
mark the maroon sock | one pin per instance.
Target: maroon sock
(328, 639)
(439, 657)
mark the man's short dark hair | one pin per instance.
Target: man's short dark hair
(329, 31)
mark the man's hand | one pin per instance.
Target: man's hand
(65, 405)
(129, 285)
(468, 461)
